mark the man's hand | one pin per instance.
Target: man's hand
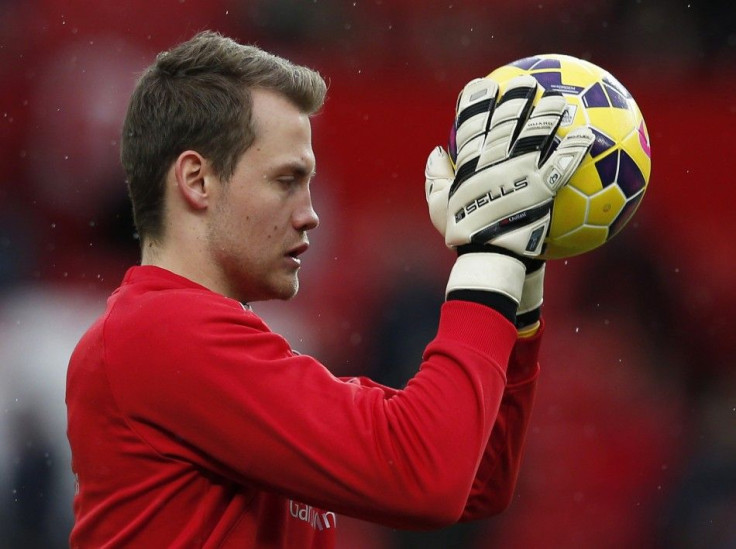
(508, 169)
(438, 177)
(493, 203)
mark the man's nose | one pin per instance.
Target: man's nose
(306, 218)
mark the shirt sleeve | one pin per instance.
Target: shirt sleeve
(208, 384)
(494, 484)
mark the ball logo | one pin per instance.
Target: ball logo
(644, 139)
(568, 115)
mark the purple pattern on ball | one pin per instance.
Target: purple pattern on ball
(607, 168)
(630, 178)
(595, 97)
(617, 100)
(548, 64)
(618, 86)
(553, 81)
(548, 80)
(526, 63)
(625, 215)
(601, 144)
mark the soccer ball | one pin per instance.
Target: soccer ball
(606, 190)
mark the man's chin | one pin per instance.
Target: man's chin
(292, 291)
(282, 292)
(288, 296)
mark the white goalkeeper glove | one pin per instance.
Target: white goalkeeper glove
(495, 206)
(480, 277)
(507, 173)
(439, 176)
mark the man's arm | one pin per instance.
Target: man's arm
(494, 484)
(235, 401)
(495, 481)
(491, 199)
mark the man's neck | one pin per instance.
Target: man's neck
(157, 255)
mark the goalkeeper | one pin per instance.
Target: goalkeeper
(191, 424)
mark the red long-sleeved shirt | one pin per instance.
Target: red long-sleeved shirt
(191, 424)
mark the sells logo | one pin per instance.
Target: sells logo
(487, 198)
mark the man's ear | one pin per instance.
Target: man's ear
(193, 174)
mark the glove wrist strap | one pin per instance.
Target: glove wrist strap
(532, 294)
(488, 272)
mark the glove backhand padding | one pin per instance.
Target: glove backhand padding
(508, 167)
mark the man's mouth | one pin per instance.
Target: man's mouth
(296, 251)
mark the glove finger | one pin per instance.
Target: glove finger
(507, 119)
(438, 171)
(439, 175)
(539, 131)
(562, 163)
(475, 105)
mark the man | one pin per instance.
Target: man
(193, 425)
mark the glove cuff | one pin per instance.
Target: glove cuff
(532, 294)
(530, 306)
(488, 272)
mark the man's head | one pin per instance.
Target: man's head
(198, 96)
(218, 155)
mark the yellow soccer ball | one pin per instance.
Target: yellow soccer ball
(606, 190)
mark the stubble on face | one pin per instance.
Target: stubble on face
(259, 218)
